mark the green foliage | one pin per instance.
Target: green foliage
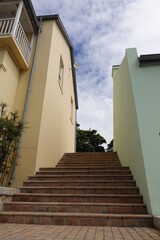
(89, 141)
(110, 146)
(10, 130)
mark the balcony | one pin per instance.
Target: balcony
(16, 41)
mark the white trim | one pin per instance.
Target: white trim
(3, 67)
(17, 18)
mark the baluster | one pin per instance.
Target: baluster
(3, 26)
(25, 47)
(6, 28)
(0, 26)
(20, 37)
(23, 44)
(10, 27)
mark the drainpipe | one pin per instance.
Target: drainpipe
(26, 102)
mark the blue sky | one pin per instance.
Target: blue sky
(100, 31)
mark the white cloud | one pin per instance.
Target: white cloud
(100, 32)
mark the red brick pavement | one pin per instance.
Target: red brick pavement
(49, 232)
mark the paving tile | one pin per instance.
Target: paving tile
(52, 232)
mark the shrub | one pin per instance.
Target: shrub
(10, 131)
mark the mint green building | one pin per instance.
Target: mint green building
(136, 88)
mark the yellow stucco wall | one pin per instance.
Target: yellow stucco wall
(57, 132)
(49, 131)
(9, 79)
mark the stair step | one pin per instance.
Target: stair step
(90, 155)
(91, 189)
(90, 161)
(88, 165)
(84, 172)
(81, 190)
(84, 168)
(97, 198)
(87, 219)
(89, 177)
(89, 183)
(116, 208)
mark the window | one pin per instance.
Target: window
(61, 72)
(71, 110)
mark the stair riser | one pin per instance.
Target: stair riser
(90, 169)
(120, 173)
(93, 156)
(75, 209)
(60, 198)
(81, 191)
(87, 165)
(72, 178)
(85, 184)
(90, 159)
(90, 162)
(81, 221)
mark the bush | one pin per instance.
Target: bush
(10, 130)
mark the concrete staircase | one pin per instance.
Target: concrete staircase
(83, 189)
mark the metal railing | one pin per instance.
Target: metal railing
(6, 26)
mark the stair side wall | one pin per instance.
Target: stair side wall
(127, 140)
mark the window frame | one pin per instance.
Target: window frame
(61, 74)
(71, 109)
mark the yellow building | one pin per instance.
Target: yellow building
(37, 78)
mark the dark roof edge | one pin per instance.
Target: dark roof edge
(149, 59)
(60, 24)
(150, 56)
(115, 66)
(32, 14)
(65, 35)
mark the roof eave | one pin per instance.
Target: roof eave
(32, 14)
(149, 60)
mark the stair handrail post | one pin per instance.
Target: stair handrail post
(17, 18)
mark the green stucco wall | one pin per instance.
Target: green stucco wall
(137, 125)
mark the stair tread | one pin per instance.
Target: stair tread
(78, 214)
(82, 181)
(102, 175)
(101, 171)
(77, 167)
(60, 170)
(76, 204)
(77, 195)
(77, 187)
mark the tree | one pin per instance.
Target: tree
(89, 141)
(10, 129)
(110, 146)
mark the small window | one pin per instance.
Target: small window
(61, 72)
(71, 111)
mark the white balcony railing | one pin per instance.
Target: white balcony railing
(6, 26)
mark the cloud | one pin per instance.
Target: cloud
(100, 32)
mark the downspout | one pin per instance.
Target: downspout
(26, 102)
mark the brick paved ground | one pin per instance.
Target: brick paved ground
(49, 232)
